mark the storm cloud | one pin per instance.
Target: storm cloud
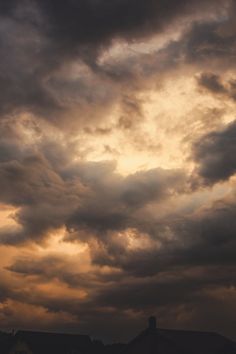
(215, 154)
(117, 165)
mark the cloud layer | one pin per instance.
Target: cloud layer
(117, 165)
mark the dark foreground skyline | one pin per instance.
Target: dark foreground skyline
(152, 340)
(117, 165)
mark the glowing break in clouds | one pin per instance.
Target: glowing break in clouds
(117, 165)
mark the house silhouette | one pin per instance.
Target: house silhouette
(164, 341)
(152, 340)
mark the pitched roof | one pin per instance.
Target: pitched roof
(163, 341)
(45, 342)
(150, 341)
(200, 342)
(5, 342)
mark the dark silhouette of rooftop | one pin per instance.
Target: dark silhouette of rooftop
(164, 341)
(152, 340)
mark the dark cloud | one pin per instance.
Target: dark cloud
(148, 254)
(185, 272)
(54, 268)
(114, 200)
(4, 292)
(215, 154)
(205, 43)
(183, 281)
(25, 63)
(41, 193)
(212, 83)
(81, 196)
(39, 37)
(98, 21)
(202, 240)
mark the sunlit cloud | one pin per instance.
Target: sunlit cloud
(117, 165)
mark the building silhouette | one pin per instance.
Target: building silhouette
(152, 340)
(164, 341)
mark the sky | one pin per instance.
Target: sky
(117, 165)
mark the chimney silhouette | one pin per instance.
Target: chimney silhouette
(152, 323)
